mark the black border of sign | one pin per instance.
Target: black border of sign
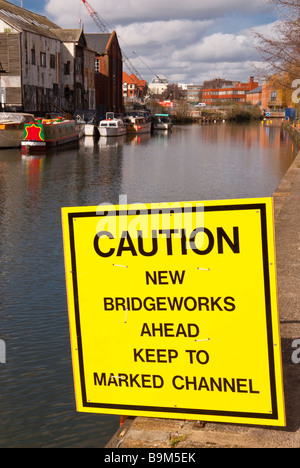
(154, 409)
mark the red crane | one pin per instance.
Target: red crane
(96, 17)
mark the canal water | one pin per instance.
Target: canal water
(37, 404)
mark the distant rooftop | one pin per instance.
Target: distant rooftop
(256, 90)
(159, 79)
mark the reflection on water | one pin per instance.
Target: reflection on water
(192, 163)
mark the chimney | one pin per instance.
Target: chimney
(252, 84)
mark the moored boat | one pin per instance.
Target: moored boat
(89, 121)
(80, 129)
(49, 133)
(91, 130)
(112, 126)
(12, 128)
(137, 124)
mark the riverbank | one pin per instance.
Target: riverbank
(165, 433)
(294, 131)
(234, 113)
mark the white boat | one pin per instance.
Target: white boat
(137, 124)
(12, 128)
(90, 127)
(112, 126)
(162, 122)
(80, 127)
(91, 130)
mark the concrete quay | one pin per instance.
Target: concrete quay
(166, 433)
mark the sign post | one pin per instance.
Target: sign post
(173, 310)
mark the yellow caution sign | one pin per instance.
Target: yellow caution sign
(173, 310)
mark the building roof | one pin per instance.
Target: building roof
(255, 90)
(98, 42)
(132, 79)
(25, 20)
(127, 78)
(160, 79)
(136, 80)
(69, 35)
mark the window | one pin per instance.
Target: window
(67, 68)
(273, 95)
(97, 66)
(52, 61)
(43, 59)
(33, 56)
(78, 65)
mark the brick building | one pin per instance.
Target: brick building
(236, 92)
(273, 98)
(254, 96)
(194, 93)
(133, 87)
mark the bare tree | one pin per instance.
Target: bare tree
(174, 92)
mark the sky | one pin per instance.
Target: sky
(187, 42)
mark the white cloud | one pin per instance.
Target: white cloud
(268, 30)
(218, 48)
(125, 11)
(162, 32)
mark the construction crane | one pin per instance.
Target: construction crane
(96, 17)
(104, 28)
